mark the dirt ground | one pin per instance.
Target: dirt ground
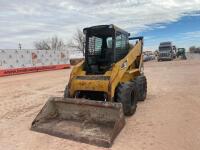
(169, 119)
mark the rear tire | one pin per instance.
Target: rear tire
(126, 94)
(142, 87)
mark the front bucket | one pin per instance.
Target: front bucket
(92, 122)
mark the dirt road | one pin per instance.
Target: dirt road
(168, 120)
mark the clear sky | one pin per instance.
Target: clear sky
(27, 21)
(184, 32)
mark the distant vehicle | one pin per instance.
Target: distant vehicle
(181, 53)
(166, 51)
(148, 55)
(146, 58)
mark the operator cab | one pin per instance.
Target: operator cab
(104, 45)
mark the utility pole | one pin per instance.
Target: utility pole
(20, 46)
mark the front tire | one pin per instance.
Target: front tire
(126, 94)
(142, 87)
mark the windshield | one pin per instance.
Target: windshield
(181, 49)
(167, 48)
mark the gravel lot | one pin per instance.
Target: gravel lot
(169, 119)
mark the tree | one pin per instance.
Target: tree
(57, 44)
(77, 41)
(42, 45)
(53, 43)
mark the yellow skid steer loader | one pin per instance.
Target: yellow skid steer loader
(102, 89)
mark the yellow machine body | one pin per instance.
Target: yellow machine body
(122, 71)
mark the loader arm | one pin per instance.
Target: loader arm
(125, 69)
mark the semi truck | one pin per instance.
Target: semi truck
(166, 51)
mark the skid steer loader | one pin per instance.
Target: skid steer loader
(101, 89)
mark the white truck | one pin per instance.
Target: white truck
(166, 51)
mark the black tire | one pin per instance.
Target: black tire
(66, 92)
(142, 87)
(126, 94)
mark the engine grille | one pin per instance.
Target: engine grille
(164, 54)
